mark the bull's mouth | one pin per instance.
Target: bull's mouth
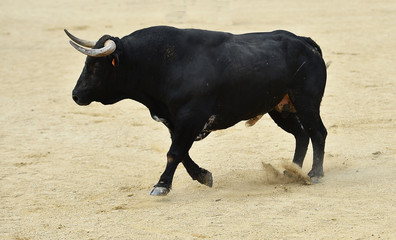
(112, 100)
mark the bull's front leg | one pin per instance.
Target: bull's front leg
(164, 185)
(183, 137)
(202, 175)
(174, 157)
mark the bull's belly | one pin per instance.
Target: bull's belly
(218, 122)
(223, 120)
(234, 109)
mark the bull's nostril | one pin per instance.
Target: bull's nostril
(75, 98)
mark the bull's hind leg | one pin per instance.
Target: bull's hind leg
(306, 96)
(290, 123)
(308, 113)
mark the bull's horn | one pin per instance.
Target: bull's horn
(82, 42)
(109, 48)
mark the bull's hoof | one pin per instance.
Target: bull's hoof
(205, 178)
(315, 176)
(314, 173)
(315, 180)
(159, 191)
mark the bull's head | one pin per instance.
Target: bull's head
(98, 80)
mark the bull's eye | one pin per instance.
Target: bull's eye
(113, 62)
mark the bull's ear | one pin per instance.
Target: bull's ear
(115, 61)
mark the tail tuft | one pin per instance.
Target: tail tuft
(328, 64)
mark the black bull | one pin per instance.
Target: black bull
(197, 81)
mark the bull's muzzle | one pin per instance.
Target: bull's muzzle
(77, 97)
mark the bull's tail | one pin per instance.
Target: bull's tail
(313, 44)
(328, 64)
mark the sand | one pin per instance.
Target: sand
(71, 172)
